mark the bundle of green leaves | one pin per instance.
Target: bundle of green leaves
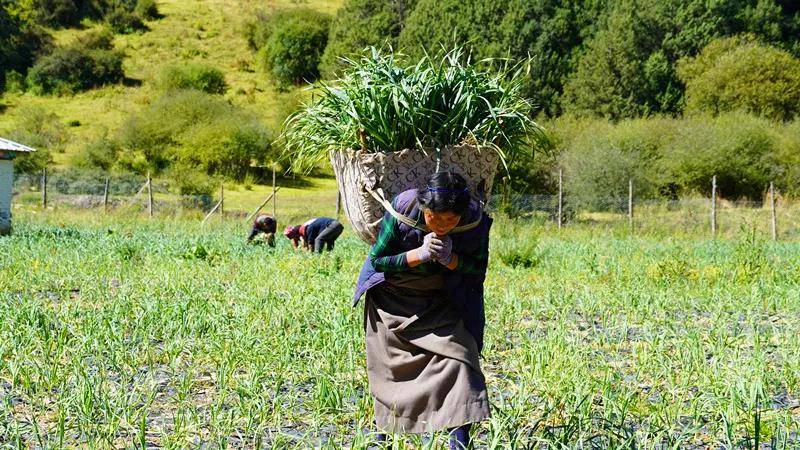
(381, 105)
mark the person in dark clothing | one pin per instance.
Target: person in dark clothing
(315, 234)
(264, 224)
(424, 312)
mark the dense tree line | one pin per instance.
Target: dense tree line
(588, 57)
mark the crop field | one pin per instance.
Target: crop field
(128, 333)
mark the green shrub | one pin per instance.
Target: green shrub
(20, 43)
(522, 252)
(193, 76)
(123, 21)
(360, 24)
(194, 129)
(673, 157)
(41, 129)
(98, 39)
(293, 47)
(85, 64)
(742, 74)
(738, 148)
(147, 9)
(101, 153)
(14, 82)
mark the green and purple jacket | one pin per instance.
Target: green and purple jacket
(463, 285)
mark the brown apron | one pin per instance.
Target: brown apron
(422, 363)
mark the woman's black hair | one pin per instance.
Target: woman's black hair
(446, 192)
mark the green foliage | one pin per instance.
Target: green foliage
(550, 34)
(294, 44)
(147, 9)
(123, 16)
(667, 157)
(360, 24)
(192, 128)
(41, 129)
(741, 74)
(88, 62)
(123, 21)
(739, 148)
(383, 106)
(20, 42)
(193, 76)
(611, 79)
(101, 153)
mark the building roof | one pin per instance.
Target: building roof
(6, 145)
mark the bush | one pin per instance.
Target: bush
(193, 76)
(20, 43)
(669, 158)
(360, 24)
(147, 9)
(194, 129)
(122, 21)
(81, 66)
(98, 154)
(39, 128)
(293, 42)
(742, 74)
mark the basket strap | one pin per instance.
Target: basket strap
(381, 198)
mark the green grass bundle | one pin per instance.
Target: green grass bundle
(380, 105)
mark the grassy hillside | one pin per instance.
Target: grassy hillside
(206, 31)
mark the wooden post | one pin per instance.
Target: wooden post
(105, 195)
(714, 206)
(213, 210)
(772, 207)
(630, 203)
(222, 199)
(264, 203)
(44, 188)
(149, 196)
(274, 197)
(338, 203)
(560, 196)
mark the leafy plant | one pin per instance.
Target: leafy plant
(193, 76)
(382, 105)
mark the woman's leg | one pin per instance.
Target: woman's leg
(459, 437)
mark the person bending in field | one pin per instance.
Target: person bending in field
(424, 314)
(264, 224)
(315, 234)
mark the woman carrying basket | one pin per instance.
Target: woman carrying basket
(424, 315)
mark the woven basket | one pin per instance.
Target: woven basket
(366, 179)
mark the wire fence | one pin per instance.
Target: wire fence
(772, 217)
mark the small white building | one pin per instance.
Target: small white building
(8, 150)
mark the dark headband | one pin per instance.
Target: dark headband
(447, 191)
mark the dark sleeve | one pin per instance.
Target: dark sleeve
(475, 263)
(385, 255)
(253, 233)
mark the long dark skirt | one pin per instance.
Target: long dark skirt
(422, 363)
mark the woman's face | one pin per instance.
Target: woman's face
(440, 223)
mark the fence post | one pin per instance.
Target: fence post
(630, 203)
(44, 188)
(222, 199)
(149, 196)
(274, 197)
(772, 207)
(714, 206)
(560, 196)
(105, 195)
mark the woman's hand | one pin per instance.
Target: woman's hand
(445, 256)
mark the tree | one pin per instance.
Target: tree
(740, 73)
(20, 42)
(360, 24)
